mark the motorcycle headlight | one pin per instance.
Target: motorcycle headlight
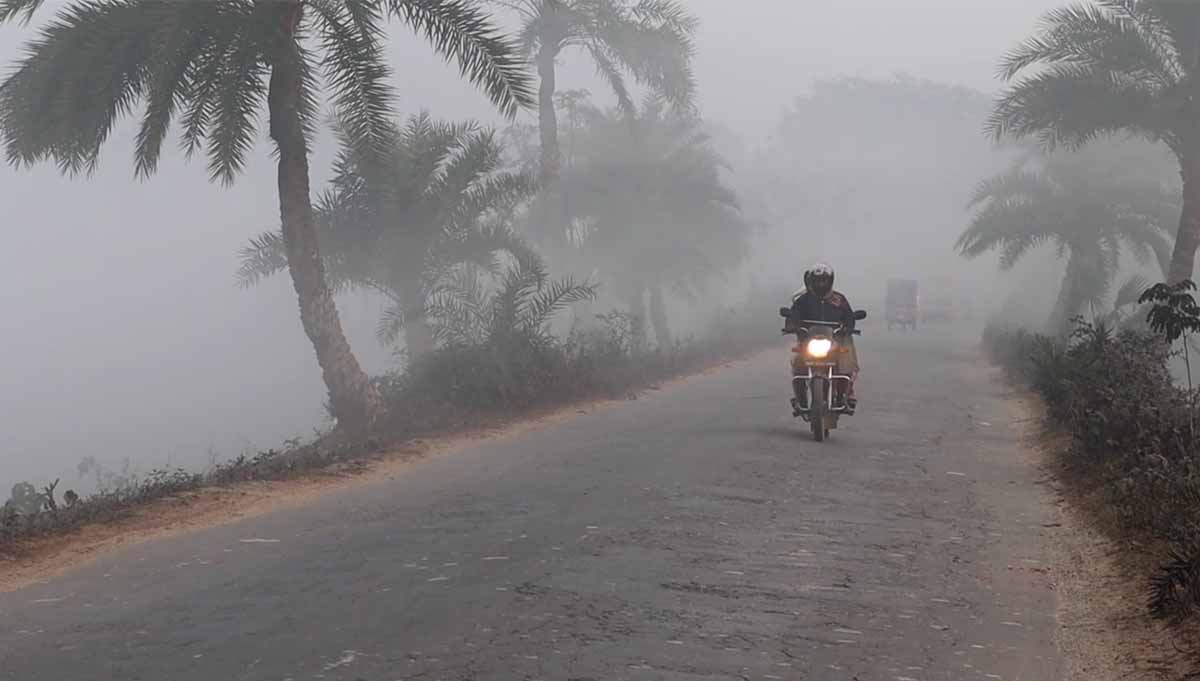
(819, 348)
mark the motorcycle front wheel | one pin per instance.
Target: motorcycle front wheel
(817, 413)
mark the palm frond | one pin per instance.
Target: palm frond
(235, 109)
(1129, 292)
(351, 33)
(520, 282)
(459, 308)
(1145, 234)
(1013, 229)
(1069, 106)
(390, 324)
(475, 156)
(500, 194)
(263, 257)
(1017, 185)
(654, 41)
(169, 82)
(553, 297)
(463, 33)
(25, 9)
(608, 69)
(86, 68)
(1099, 37)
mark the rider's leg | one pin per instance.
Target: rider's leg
(800, 401)
(848, 365)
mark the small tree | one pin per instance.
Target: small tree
(397, 222)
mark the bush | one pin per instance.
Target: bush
(29, 513)
(531, 371)
(1133, 432)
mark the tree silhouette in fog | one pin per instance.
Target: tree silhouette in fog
(1114, 66)
(211, 67)
(650, 40)
(1090, 207)
(401, 222)
(650, 210)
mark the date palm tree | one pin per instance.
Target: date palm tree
(1114, 66)
(1090, 216)
(650, 40)
(399, 223)
(211, 67)
(651, 211)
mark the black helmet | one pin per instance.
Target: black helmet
(819, 279)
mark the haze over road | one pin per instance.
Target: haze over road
(697, 532)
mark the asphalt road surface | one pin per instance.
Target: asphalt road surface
(696, 532)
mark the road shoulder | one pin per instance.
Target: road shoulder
(1103, 630)
(40, 559)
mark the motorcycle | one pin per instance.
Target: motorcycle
(820, 393)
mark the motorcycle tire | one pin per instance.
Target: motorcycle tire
(817, 413)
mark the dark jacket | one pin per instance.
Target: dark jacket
(834, 308)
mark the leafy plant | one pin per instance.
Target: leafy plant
(1173, 311)
(466, 312)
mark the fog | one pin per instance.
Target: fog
(125, 336)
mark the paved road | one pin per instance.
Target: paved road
(694, 533)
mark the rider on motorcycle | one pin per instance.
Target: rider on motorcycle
(820, 302)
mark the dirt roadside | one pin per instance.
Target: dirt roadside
(41, 558)
(1104, 631)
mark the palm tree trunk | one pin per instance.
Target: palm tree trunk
(353, 399)
(551, 162)
(658, 316)
(418, 336)
(550, 208)
(636, 300)
(1070, 299)
(1187, 238)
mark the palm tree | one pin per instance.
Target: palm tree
(497, 346)
(1089, 215)
(648, 39)
(651, 211)
(211, 66)
(399, 222)
(1112, 66)
(514, 315)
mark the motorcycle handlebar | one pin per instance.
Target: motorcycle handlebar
(839, 331)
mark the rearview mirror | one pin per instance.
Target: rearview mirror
(785, 312)
(860, 314)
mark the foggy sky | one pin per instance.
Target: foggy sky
(124, 335)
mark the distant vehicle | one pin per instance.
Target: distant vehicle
(902, 304)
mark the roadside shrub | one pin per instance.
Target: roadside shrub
(1134, 433)
(29, 513)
